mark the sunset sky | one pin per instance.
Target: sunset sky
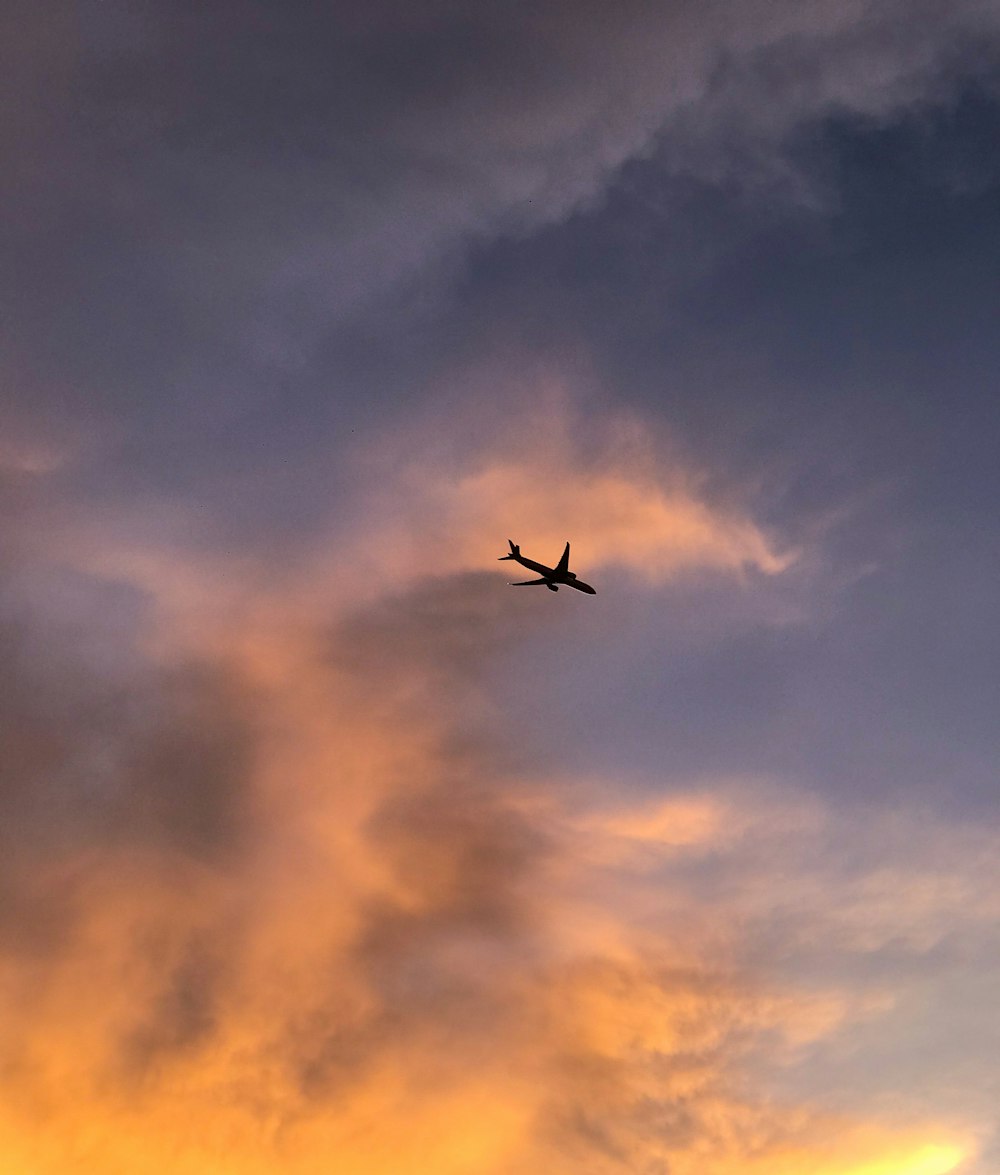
(324, 851)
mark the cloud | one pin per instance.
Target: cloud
(308, 895)
(288, 170)
(543, 471)
(282, 883)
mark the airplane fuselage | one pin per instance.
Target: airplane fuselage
(547, 572)
(553, 576)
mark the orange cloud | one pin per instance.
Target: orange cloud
(543, 473)
(285, 898)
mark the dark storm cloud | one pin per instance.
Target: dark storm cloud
(114, 764)
(440, 630)
(104, 755)
(164, 757)
(463, 856)
(182, 1010)
(464, 864)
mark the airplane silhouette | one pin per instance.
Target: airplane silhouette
(552, 577)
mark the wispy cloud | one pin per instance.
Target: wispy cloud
(331, 161)
(540, 470)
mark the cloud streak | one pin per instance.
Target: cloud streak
(541, 471)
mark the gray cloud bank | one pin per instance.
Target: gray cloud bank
(268, 170)
(235, 231)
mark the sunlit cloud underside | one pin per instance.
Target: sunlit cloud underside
(307, 913)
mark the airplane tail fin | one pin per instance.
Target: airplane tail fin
(515, 550)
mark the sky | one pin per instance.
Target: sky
(323, 850)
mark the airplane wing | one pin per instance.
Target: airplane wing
(529, 582)
(563, 563)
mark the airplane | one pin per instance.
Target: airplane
(552, 577)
